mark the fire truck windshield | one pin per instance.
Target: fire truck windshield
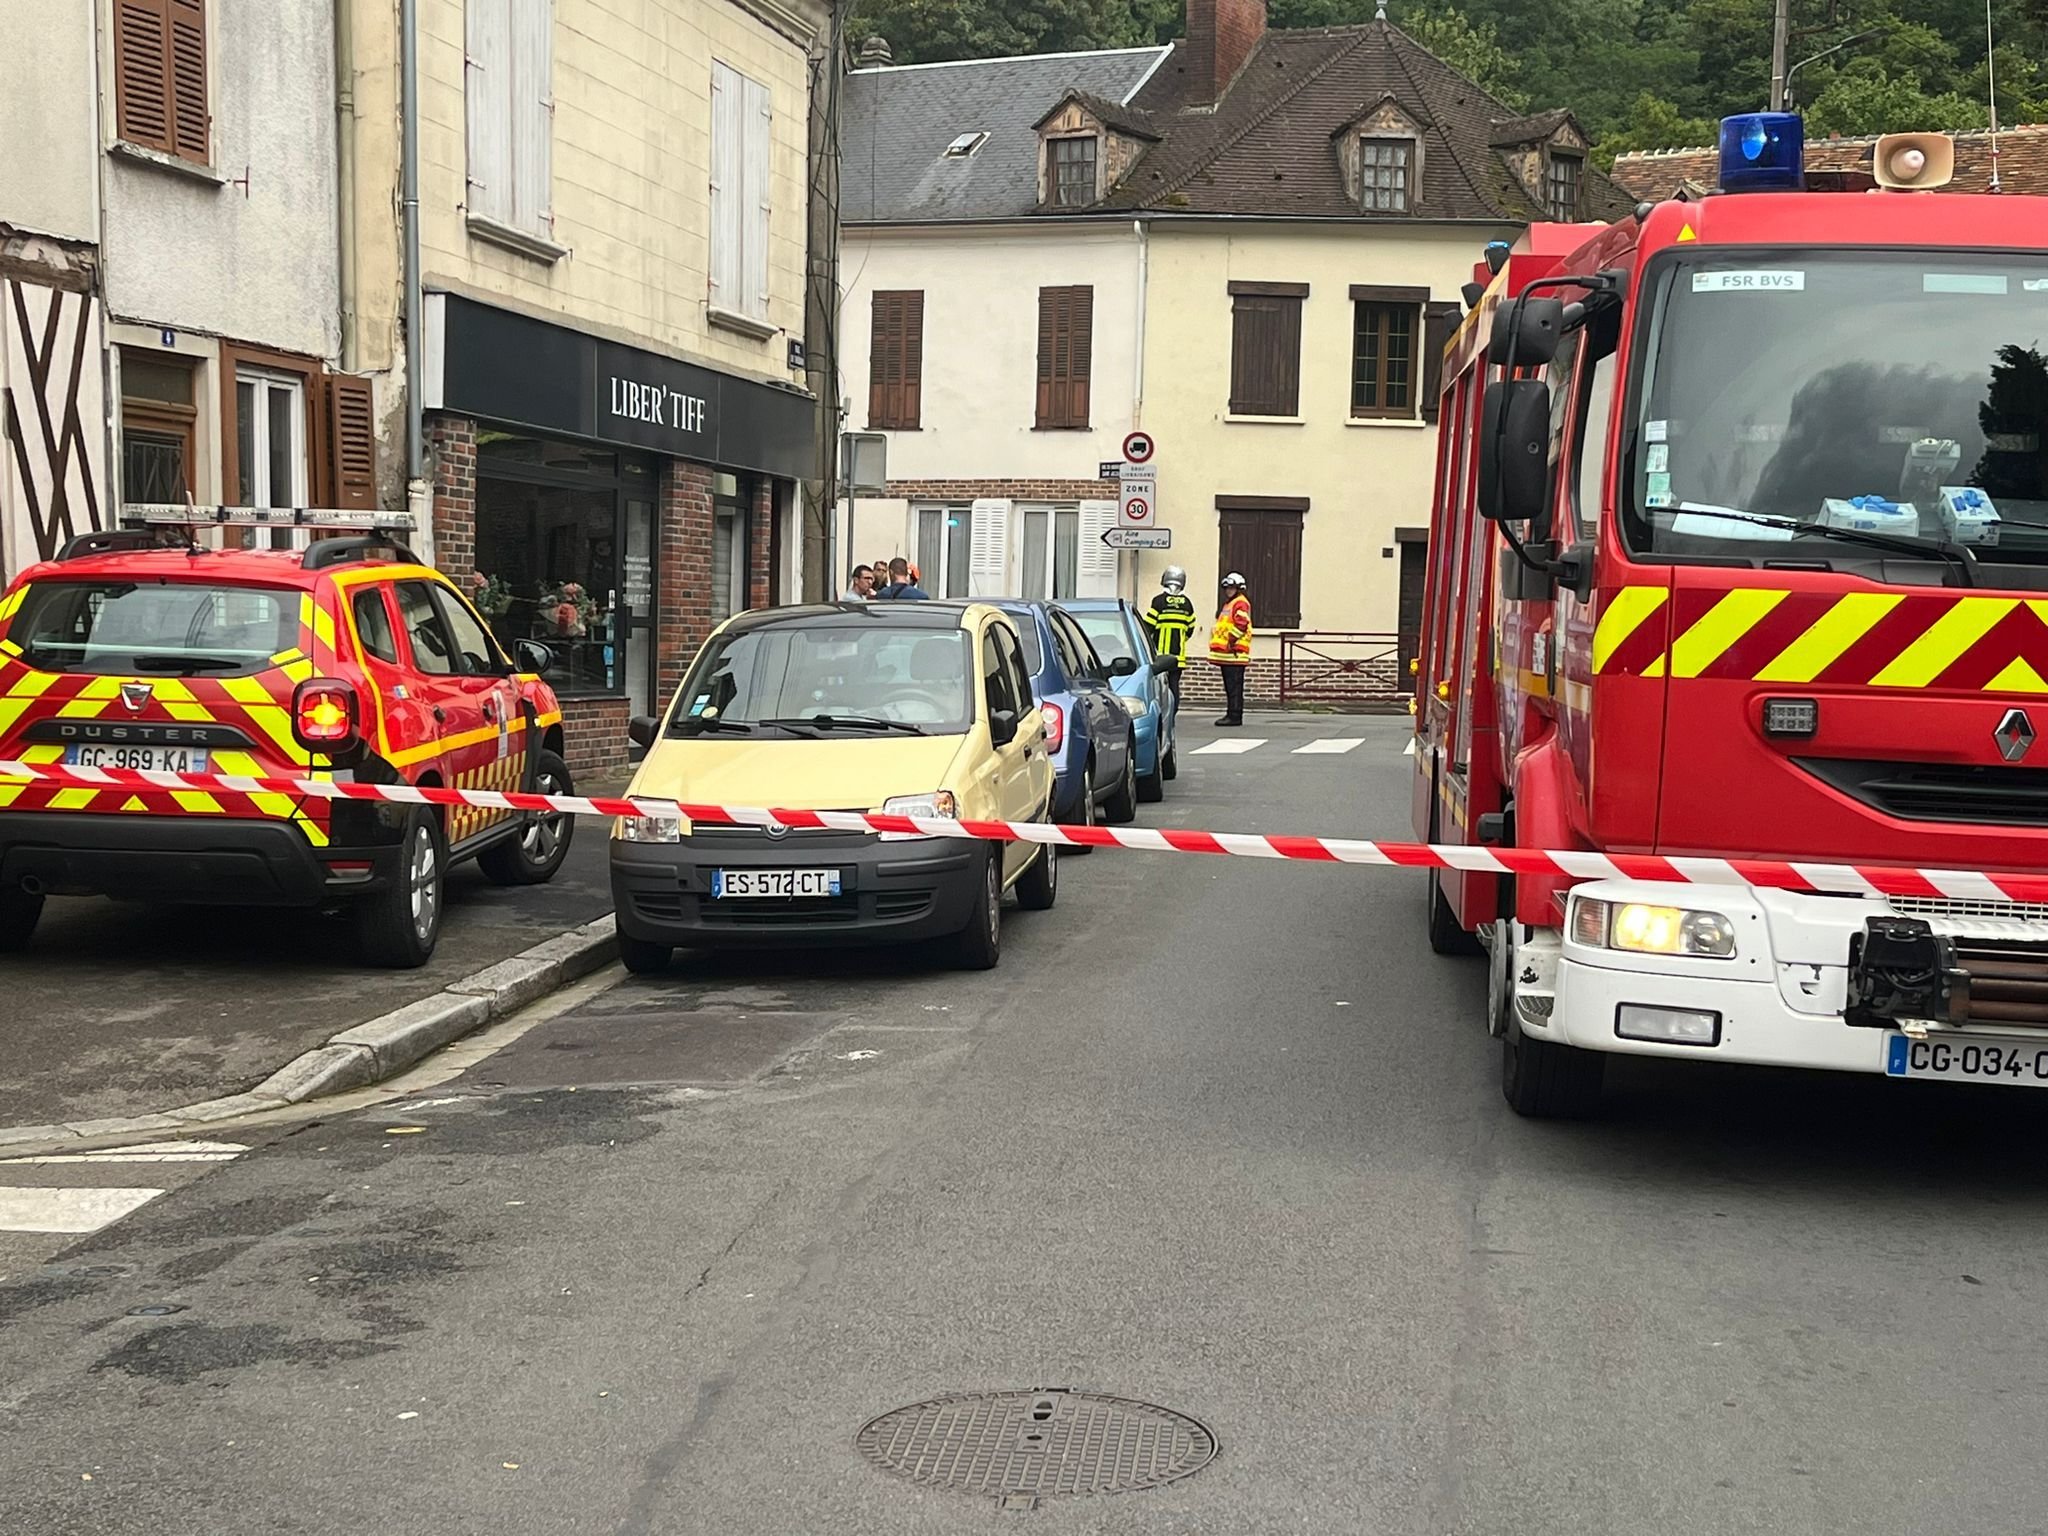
(1896, 394)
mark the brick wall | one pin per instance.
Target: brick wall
(594, 739)
(683, 604)
(1221, 36)
(1015, 490)
(760, 546)
(451, 444)
(1201, 682)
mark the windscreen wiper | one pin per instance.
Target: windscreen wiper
(1899, 543)
(850, 722)
(190, 663)
(698, 725)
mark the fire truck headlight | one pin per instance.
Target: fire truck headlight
(1652, 930)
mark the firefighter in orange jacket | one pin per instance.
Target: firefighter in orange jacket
(1230, 646)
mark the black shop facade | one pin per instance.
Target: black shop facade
(612, 502)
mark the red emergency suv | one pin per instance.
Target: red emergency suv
(348, 659)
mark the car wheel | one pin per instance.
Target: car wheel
(1123, 805)
(979, 945)
(1548, 1081)
(1168, 767)
(1087, 805)
(399, 926)
(1152, 787)
(19, 914)
(533, 854)
(1039, 886)
(644, 957)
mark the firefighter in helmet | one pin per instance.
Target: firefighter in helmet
(1230, 646)
(1169, 622)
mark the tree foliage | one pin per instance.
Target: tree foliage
(1639, 73)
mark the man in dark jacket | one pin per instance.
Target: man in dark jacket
(900, 582)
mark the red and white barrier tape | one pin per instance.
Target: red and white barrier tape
(1576, 864)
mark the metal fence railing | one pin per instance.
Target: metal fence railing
(1343, 667)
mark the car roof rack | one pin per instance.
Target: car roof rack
(322, 553)
(160, 514)
(108, 541)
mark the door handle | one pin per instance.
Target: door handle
(440, 713)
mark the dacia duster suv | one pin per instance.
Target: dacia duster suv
(349, 660)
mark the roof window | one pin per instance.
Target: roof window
(965, 145)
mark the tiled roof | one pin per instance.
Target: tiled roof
(1110, 114)
(2022, 163)
(1526, 130)
(1265, 148)
(895, 124)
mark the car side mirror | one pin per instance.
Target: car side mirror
(1526, 333)
(533, 657)
(1123, 666)
(1002, 727)
(1514, 454)
(642, 730)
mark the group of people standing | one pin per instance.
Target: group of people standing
(1169, 621)
(885, 578)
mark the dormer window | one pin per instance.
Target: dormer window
(1072, 165)
(1561, 186)
(1386, 170)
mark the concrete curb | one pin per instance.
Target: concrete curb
(383, 1047)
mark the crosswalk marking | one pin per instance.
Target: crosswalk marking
(1331, 744)
(1230, 746)
(152, 1152)
(67, 1210)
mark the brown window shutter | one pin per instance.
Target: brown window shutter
(352, 441)
(1265, 355)
(1439, 324)
(913, 357)
(1266, 548)
(142, 73)
(1048, 381)
(1081, 355)
(881, 357)
(192, 137)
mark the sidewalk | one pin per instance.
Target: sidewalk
(120, 1010)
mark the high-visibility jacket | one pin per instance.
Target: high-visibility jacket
(1230, 641)
(1169, 621)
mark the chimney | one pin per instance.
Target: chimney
(1221, 36)
(874, 53)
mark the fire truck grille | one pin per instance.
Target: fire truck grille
(1942, 906)
(2008, 797)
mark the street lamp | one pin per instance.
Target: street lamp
(1816, 58)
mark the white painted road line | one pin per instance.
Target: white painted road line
(1409, 749)
(105, 1161)
(1231, 746)
(67, 1210)
(1329, 745)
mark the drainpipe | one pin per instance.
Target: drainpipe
(416, 490)
(345, 175)
(1138, 365)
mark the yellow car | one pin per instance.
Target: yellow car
(910, 708)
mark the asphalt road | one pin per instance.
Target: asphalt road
(121, 1009)
(1218, 1135)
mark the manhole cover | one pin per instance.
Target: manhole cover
(1037, 1443)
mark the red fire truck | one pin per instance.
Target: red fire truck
(1740, 549)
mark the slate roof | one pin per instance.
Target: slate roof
(1264, 150)
(1266, 147)
(2022, 163)
(1111, 114)
(895, 124)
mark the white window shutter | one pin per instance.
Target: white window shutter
(487, 100)
(728, 93)
(988, 562)
(760, 123)
(532, 113)
(1097, 573)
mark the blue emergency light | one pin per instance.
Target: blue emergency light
(1763, 152)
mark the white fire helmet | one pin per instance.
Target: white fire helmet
(1234, 580)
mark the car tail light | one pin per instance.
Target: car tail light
(326, 714)
(1055, 725)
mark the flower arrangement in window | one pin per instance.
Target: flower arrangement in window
(492, 597)
(567, 609)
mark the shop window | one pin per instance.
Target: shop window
(160, 98)
(551, 520)
(159, 427)
(742, 117)
(730, 547)
(508, 102)
(945, 544)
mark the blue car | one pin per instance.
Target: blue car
(1112, 624)
(1091, 730)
